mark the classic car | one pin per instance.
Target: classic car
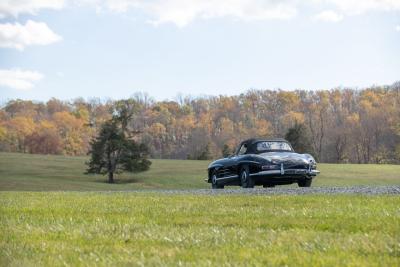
(266, 162)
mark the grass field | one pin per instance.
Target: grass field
(145, 228)
(125, 229)
(42, 173)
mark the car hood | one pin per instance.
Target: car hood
(287, 157)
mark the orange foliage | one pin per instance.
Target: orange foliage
(344, 125)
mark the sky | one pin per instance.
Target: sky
(114, 48)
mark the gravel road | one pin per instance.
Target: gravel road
(359, 190)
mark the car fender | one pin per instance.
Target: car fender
(251, 162)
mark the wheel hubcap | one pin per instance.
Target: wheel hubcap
(214, 179)
(244, 177)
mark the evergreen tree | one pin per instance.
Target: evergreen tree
(299, 138)
(112, 152)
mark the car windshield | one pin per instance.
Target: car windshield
(242, 149)
(273, 146)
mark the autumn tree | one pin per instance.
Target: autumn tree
(45, 139)
(72, 131)
(344, 124)
(18, 129)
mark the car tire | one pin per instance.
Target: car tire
(214, 182)
(304, 183)
(245, 179)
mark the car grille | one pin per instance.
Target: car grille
(302, 171)
(295, 166)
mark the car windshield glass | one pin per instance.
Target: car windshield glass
(273, 145)
(242, 149)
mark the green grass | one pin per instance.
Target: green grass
(41, 173)
(118, 229)
(121, 229)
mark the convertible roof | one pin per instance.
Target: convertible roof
(250, 142)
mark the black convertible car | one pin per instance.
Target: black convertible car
(266, 162)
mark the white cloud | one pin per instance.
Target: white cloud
(17, 7)
(356, 7)
(397, 28)
(19, 36)
(328, 16)
(19, 79)
(182, 12)
(179, 12)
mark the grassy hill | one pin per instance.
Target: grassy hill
(47, 172)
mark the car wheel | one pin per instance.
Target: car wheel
(214, 182)
(305, 183)
(245, 179)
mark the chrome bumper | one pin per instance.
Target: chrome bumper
(277, 172)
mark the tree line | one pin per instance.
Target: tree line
(342, 125)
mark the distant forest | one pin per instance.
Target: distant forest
(343, 125)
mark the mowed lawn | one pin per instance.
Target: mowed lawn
(21, 172)
(136, 229)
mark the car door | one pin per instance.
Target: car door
(230, 169)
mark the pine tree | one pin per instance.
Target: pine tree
(299, 138)
(112, 152)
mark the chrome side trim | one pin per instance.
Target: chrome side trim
(282, 172)
(266, 172)
(228, 177)
(250, 161)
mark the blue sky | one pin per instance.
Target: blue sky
(114, 48)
